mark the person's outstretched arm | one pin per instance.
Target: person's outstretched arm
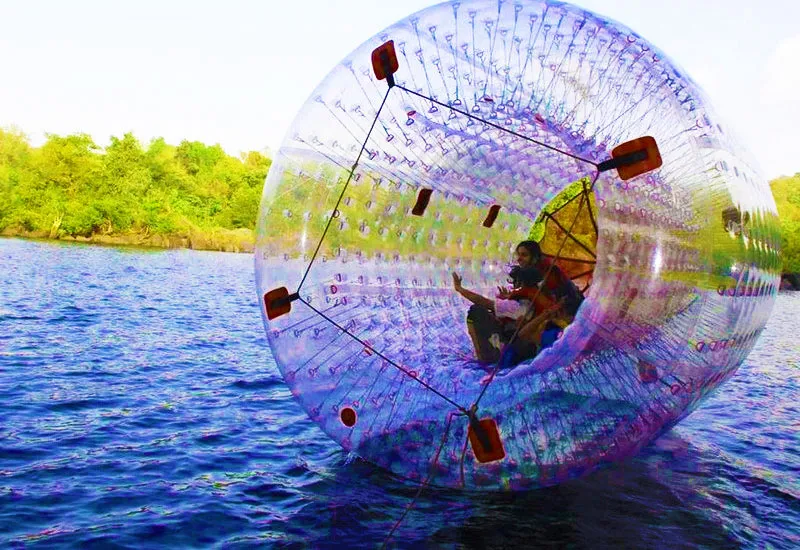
(473, 297)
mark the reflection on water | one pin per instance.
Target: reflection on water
(141, 408)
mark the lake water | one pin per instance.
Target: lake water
(140, 407)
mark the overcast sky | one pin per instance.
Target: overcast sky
(235, 72)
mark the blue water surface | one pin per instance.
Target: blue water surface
(140, 407)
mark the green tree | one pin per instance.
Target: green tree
(16, 180)
(68, 168)
(786, 191)
(69, 187)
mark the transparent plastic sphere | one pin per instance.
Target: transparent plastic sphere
(508, 103)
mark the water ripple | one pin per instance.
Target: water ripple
(141, 408)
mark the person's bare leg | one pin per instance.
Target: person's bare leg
(532, 331)
(484, 350)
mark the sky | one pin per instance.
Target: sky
(236, 72)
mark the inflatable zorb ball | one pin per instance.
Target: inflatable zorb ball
(490, 118)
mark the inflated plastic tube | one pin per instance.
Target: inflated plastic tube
(504, 104)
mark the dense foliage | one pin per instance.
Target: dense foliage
(70, 187)
(786, 191)
(197, 195)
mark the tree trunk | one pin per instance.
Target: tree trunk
(56, 226)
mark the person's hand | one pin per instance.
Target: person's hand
(456, 282)
(555, 309)
(503, 292)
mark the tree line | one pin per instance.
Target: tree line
(191, 194)
(786, 191)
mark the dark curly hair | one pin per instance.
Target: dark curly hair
(525, 276)
(532, 247)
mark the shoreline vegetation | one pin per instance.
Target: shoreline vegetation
(218, 240)
(191, 195)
